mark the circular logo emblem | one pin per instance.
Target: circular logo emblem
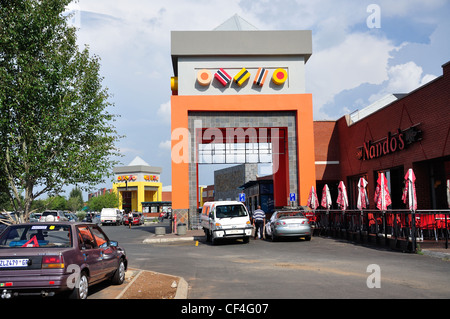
(279, 76)
(204, 77)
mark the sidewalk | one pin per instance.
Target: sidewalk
(190, 235)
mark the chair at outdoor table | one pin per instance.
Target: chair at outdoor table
(440, 224)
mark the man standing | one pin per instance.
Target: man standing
(259, 220)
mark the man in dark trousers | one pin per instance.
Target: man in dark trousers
(259, 220)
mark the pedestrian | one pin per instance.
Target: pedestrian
(130, 219)
(259, 220)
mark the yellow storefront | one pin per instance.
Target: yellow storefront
(136, 183)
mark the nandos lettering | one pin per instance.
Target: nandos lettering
(390, 144)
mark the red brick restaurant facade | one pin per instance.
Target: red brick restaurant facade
(412, 131)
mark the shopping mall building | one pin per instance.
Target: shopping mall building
(239, 97)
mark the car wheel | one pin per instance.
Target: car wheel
(119, 275)
(81, 290)
(273, 237)
(307, 238)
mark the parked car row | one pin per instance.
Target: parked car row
(230, 219)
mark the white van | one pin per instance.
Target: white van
(110, 216)
(225, 219)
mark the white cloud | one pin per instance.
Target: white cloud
(164, 112)
(166, 145)
(360, 58)
(403, 78)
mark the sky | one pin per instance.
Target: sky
(362, 51)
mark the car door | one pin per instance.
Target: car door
(110, 261)
(93, 255)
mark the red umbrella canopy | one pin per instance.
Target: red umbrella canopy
(363, 199)
(382, 196)
(313, 201)
(409, 192)
(342, 199)
(326, 197)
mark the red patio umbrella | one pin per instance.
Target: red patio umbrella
(382, 196)
(363, 199)
(409, 192)
(326, 197)
(342, 199)
(313, 201)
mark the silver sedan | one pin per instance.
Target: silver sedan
(288, 224)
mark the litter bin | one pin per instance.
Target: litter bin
(181, 229)
(160, 231)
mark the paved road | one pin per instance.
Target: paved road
(321, 268)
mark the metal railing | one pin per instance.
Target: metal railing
(390, 224)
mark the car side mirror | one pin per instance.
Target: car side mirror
(113, 243)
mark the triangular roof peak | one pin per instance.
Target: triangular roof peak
(138, 162)
(236, 23)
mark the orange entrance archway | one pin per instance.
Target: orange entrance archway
(183, 106)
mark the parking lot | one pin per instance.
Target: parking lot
(287, 269)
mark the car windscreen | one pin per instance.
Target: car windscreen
(46, 236)
(224, 211)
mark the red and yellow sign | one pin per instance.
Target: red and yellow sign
(279, 76)
(152, 178)
(126, 178)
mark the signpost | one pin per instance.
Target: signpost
(292, 198)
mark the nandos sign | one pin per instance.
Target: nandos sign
(392, 143)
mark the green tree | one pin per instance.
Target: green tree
(108, 200)
(55, 128)
(75, 201)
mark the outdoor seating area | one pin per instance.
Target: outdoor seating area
(400, 229)
(391, 228)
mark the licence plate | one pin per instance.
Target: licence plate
(293, 225)
(10, 263)
(233, 231)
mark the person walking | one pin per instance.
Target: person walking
(130, 219)
(259, 220)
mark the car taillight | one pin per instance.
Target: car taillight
(53, 262)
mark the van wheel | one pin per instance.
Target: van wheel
(207, 234)
(246, 240)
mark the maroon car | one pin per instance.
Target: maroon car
(46, 258)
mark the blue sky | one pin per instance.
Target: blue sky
(352, 64)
